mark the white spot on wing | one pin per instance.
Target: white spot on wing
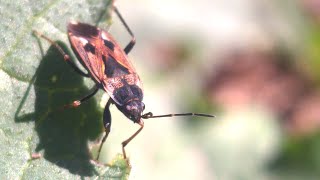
(73, 22)
(83, 41)
(104, 36)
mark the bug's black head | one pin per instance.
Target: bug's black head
(133, 110)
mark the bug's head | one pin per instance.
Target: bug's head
(133, 110)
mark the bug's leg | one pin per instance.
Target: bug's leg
(128, 48)
(78, 102)
(126, 142)
(106, 125)
(65, 55)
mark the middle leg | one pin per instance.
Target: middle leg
(77, 103)
(106, 125)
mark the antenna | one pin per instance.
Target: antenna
(150, 115)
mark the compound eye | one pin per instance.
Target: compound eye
(143, 106)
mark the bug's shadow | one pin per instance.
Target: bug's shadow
(63, 133)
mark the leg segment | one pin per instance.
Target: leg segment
(65, 55)
(128, 48)
(106, 125)
(78, 102)
(126, 142)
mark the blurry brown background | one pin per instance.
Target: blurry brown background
(254, 64)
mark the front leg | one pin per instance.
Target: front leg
(106, 124)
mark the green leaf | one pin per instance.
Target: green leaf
(35, 84)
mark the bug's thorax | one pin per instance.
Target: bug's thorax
(127, 96)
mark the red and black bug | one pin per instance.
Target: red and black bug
(109, 67)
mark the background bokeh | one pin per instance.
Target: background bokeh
(254, 64)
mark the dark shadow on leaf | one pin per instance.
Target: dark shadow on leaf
(63, 133)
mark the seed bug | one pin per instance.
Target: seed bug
(109, 67)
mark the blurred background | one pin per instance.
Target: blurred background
(253, 64)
